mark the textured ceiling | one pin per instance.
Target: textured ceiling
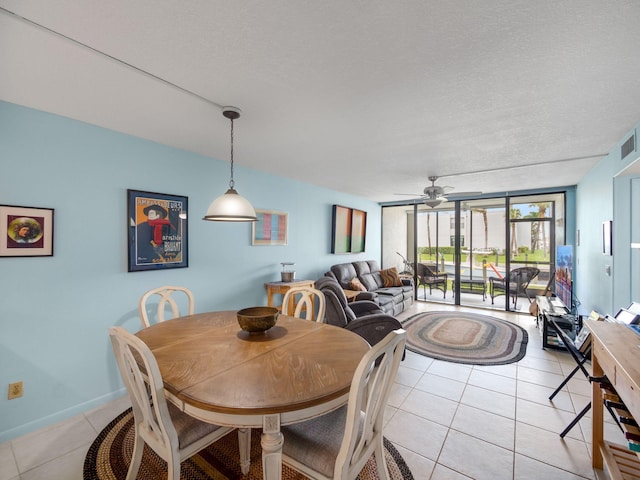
(368, 98)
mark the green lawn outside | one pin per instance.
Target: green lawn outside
(537, 256)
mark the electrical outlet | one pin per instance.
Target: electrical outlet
(15, 390)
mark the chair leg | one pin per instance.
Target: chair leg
(564, 382)
(136, 458)
(575, 420)
(173, 467)
(381, 464)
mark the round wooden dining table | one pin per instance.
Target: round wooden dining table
(218, 373)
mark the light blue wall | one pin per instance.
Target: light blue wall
(55, 311)
(601, 196)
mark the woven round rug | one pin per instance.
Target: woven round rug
(463, 337)
(109, 456)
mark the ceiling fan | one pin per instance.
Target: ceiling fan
(433, 195)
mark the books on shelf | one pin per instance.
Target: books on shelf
(595, 316)
(554, 339)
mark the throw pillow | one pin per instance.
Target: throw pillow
(356, 284)
(391, 277)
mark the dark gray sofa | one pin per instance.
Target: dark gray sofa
(363, 317)
(392, 300)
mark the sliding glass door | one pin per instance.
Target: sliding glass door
(482, 241)
(435, 254)
(532, 245)
(466, 252)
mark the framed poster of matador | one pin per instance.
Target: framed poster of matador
(158, 235)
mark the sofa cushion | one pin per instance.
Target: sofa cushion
(394, 292)
(386, 302)
(369, 274)
(391, 277)
(356, 284)
(343, 273)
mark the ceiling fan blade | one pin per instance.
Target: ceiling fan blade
(411, 194)
(463, 194)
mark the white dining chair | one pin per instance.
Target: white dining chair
(172, 434)
(338, 445)
(165, 293)
(304, 302)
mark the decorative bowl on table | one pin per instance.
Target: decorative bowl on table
(257, 319)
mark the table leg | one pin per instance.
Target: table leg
(271, 442)
(269, 297)
(597, 428)
(244, 441)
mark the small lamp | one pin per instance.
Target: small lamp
(231, 207)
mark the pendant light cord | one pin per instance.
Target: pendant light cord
(231, 182)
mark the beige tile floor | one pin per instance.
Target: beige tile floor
(449, 421)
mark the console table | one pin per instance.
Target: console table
(615, 353)
(562, 319)
(280, 288)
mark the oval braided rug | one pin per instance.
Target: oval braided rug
(463, 337)
(109, 456)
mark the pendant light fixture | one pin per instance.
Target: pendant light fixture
(231, 207)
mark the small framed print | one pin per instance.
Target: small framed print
(270, 229)
(607, 239)
(26, 231)
(158, 237)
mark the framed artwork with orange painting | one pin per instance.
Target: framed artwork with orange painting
(348, 230)
(158, 234)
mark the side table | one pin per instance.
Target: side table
(351, 294)
(473, 285)
(280, 288)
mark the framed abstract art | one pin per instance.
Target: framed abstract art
(270, 228)
(348, 230)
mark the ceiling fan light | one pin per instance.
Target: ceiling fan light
(432, 202)
(230, 207)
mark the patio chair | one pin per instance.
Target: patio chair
(428, 276)
(519, 280)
